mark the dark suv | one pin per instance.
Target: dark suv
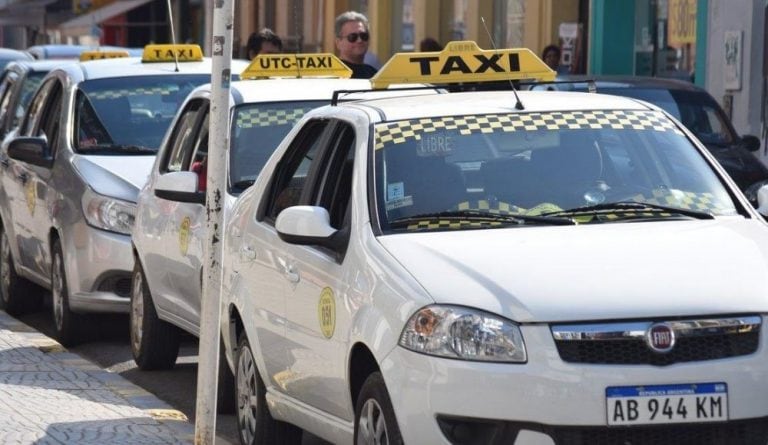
(697, 110)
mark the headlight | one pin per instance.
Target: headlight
(108, 213)
(463, 333)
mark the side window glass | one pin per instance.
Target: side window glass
(335, 187)
(49, 125)
(5, 102)
(181, 142)
(291, 174)
(36, 109)
(198, 161)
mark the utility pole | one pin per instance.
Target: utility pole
(218, 143)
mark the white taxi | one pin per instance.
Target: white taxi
(72, 173)
(169, 234)
(496, 267)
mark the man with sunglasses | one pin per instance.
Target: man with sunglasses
(352, 42)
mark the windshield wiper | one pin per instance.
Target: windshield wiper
(117, 149)
(474, 215)
(624, 206)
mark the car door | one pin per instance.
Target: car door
(172, 260)
(320, 287)
(29, 184)
(262, 267)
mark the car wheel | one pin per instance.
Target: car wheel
(66, 323)
(17, 295)
(375, 421)
(154, 342)
(254, 421)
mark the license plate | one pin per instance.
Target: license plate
(659, 404)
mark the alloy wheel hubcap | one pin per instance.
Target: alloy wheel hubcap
(373, 428)
(247, 397)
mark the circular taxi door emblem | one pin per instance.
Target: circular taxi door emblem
(660, 337)
(29, 190)
(326, 312)
(184, 235)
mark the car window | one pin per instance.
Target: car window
(29, 85)
(257, 130)
(534, 163)
(129, 115)
(334, 187)
(180, 143)
(6, 89)
(290, 177)
(36, 108)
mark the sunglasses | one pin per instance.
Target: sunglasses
(352, 37)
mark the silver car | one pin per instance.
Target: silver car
(71, 177)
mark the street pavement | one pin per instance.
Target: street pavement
(51, 396)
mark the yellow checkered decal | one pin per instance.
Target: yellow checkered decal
(403, 131)
(704, 202)
(113, 94)
(267, 117)
(452, 224)
(493, 208)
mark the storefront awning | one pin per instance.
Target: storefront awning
(83, 24)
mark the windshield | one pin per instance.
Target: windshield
(257, 130)
(695, 109)
(429, 171)
(129, 115)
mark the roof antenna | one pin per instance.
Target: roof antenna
(519, 104)
(173, 35)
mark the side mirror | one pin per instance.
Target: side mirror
(32, 150)
(180, 187)
(306, 225)
(750, 143)
(762, 200)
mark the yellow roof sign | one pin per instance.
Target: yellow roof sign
(462, 61)
(98, 55)
(296, 65)
(168, 53)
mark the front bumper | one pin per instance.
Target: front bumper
(552, 401)
(99, 266)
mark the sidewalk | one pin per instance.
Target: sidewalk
(51, 396)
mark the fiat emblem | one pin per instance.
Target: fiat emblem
(660, 337)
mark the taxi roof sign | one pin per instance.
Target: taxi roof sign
(169, 53)
(98, 55)
(295, 66)
(462, 61)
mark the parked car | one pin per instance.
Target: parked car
(698, 111)
(8, 55)
(600, 280)
(18, 83)
(72, 174)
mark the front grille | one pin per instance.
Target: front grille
(626, 343)
(747, 432)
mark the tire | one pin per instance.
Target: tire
(67, 325)
(373, 403)
(154, 342)
(255, 424)
(17, 295)
(225, 394)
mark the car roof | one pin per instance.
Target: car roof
(133, 66)
(489, 102)
(58, 51)
(36, 65)
(613, 81)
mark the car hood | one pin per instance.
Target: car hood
(593, 272)
(116, 176)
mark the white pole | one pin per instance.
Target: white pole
(218, 143)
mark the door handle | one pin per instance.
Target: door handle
(291, 274)
(248, 252)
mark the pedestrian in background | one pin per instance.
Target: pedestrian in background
(263, 42)
(428, 44)
(551, 56)
(352, 35)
